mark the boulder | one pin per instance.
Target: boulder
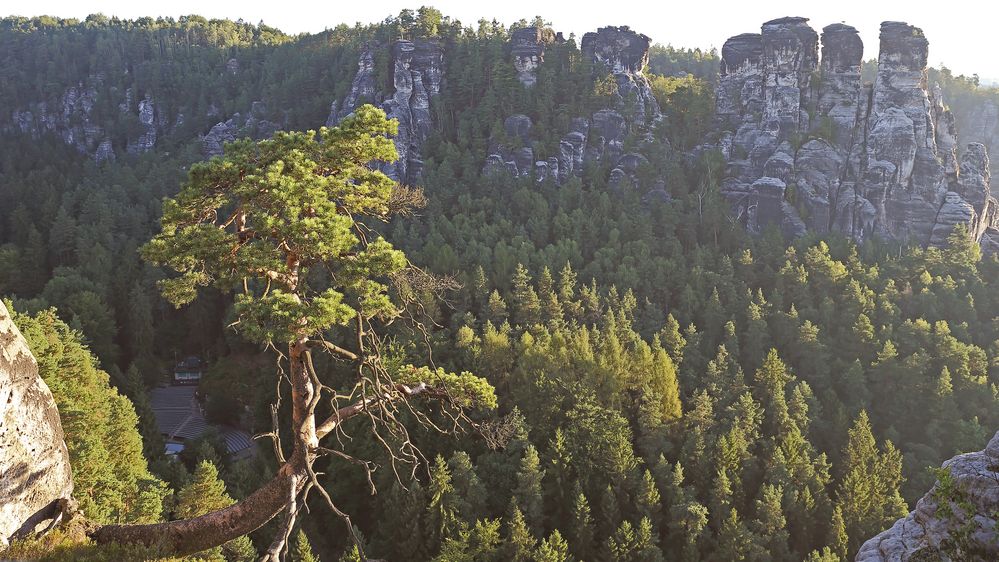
(35, 475)
(518, 127)
(927, 532)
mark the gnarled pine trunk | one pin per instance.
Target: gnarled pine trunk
(188, 536)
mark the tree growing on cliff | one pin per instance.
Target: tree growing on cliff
(286, 224)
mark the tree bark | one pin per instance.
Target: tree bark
(188, 536)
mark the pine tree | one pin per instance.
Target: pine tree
(301, 550)
(62, 237)
(771, 380)
(665, 381)
(527, 491)
(401, 534)
(552, 549)
(648, 500)
(770, 524)
(207, 493)
(546, 284)
(582, 531)
(610, 512)
(735, 541)
(868, 494)
(622, 544)
(442, 505)
(519, 540)
(838, 540)
(721, 498)
(471, 495)
(647, 543)
(672, 340)
(481, 543)
(560, 478)
(567, 292)
(141, 333)
(496, 308)
(526, 305)
(480, 288)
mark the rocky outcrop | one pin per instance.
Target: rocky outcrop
(981, 124)
(255, 125)
(362, 88)
(515, 154)
(625, 54)
(417, 69)
(147, 121)
(527, 48)
(73, 119)
(941, 522)
(864, 160)
(598, 139)
(740, 87)
(34, 462)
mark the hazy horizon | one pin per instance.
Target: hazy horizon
(953, 34)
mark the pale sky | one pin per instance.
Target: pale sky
(961, 33)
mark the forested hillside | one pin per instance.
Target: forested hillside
(669, 386)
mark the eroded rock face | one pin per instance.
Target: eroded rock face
(418, 67)
(417, 72)
(839, 91)
(598, 139)
(147, 119)
(362, 89)
(34, 462)
(740, 87)
(625, 54)
(923, 534)
(790, 57)
(254, 125)
(864, 160)
(73, 120)
(981, 124)
(527, 47)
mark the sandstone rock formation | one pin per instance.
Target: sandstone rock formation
(34, 463)
(254, 125)
(595, 140)
(625, 54)
(73, 120)
(417, 71)
(147, 119)
(527, 47)
(864, 160)
(929, 532)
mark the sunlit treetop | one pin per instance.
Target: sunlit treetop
(285, 223)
